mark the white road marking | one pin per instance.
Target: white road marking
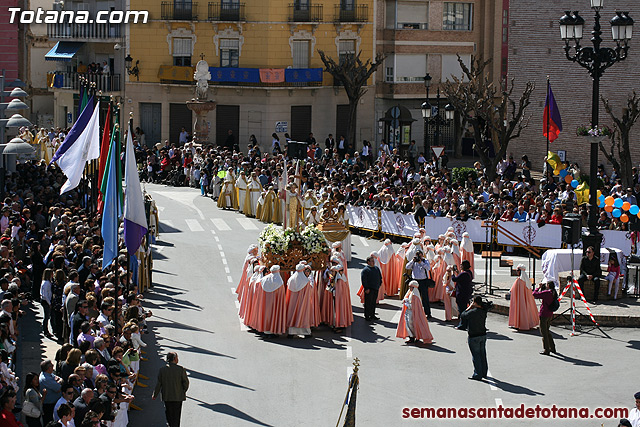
(159, 248)
(160, 208)
(226, 270)
(243, 328)
(219, 247)
(194, 225)
(237, 304)
(217, 239)
(224, 261)
(349, 352)
(499, 403)
(220, 224)
(349, 372)
(222, 255)
(364, 241)
(229, 279)
(186, 198)
(214, 232)
(247, 224)
(396, 317)
(233, 291)
(491, 384)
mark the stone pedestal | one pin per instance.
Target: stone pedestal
(200, 127)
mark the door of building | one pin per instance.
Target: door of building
(227, 118)
(179, 117)
(150, 122)
(300, 122)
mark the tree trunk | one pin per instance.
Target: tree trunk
(353, 114)
(457, 148)
(624, 171)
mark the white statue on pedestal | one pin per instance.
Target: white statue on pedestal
(202, 77)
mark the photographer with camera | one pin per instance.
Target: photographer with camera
(464, 286)
(474, 321)
(547, 293)
(420, 267)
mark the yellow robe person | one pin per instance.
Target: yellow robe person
(241, 188)
(254, 188)
(271, 208)
(228, 196)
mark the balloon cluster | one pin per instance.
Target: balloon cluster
(566, 176)
(616, 206)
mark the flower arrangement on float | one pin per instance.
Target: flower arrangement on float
(288, 247)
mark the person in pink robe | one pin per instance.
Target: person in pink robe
(342, 299)
(385, 257)
(275, 308)
(255, 318)
(450, 305)
(523, 312)
(440, 242)
(466, 250)
(325, 296)
(252, 252)
(246, 296)
(300, 311)
(317, 318)
(413, 322)
(437, 273)
(455, 251)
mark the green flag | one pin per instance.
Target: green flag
(114, 145)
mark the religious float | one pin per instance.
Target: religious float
(288, 247)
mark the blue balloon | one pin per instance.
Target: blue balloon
(575, 183)
(618, 203)
(563, 173)
(634, 209)
(616, 213)
(601, 198)
(601, 204)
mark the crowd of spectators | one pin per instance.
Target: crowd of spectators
(390, 181)
(50, 260)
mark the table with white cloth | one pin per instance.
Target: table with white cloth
(555, 261)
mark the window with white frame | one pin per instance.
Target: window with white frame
(451, 66)
(182, 51)
(229, 52)
(346, 48)
(410, 68)
(457, 16)
(412, 15)
(301, 53)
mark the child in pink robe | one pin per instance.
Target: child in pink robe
(413, 322)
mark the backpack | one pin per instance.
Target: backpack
(555, 304)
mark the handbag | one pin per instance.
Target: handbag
(30, 409)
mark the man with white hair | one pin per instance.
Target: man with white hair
(82, 405)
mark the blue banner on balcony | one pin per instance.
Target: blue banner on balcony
(303, 75)
(235, 75)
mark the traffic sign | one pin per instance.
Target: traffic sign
(437, 151)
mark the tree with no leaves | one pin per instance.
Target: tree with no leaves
(491, 111)
(619, 151)
(353, 74)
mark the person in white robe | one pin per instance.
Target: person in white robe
(254, 190)
(241, 187)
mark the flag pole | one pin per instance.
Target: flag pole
(546, 168)
(352, 383)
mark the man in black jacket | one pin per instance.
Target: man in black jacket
(474, 321)
(590, 270)
(371, 278)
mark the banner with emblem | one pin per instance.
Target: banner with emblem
(547, 236)
(617, 239)
(361, 217)
(398, 223)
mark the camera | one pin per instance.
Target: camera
(487, 305)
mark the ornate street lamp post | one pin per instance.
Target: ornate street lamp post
(595, 60)
(437, 119)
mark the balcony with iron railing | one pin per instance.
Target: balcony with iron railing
(179, 11)
(84, 32)
(70, 80)
(357, 13)
(305, 12)
(230, 12)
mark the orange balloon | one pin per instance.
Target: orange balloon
(609, 209)
(568, 179)
(608, 201)
(638, 214)
(624, 218)
(626, 206)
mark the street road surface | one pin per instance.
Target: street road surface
(239, 379)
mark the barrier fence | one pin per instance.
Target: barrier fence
(548, 236)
